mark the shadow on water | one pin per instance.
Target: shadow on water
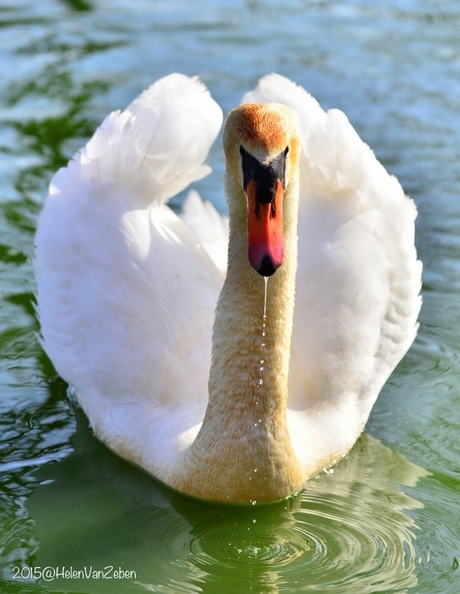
(348, 531)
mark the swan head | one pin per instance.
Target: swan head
(261, 145)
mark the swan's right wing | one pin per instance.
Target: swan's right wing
(209, 226)
(126, 291)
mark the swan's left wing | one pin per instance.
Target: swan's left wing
(358, 278)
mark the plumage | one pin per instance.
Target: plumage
(127, 293)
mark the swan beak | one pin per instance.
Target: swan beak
(265, 228)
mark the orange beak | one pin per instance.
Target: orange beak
(265, 229)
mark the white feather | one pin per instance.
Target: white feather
(358, 279)
(127, 289)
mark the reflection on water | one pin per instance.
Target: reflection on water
(349, 528)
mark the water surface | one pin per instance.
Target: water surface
(387, 518)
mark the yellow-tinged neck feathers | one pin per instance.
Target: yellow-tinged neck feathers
(243, 451)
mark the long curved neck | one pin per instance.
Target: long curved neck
(238, 342)
(244, 441)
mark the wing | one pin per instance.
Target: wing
(126, 291)
(209, 226)
(358, 278)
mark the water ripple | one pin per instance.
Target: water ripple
(345, 533)
(248, 544)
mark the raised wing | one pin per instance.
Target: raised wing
(126, 291)
(358, 279)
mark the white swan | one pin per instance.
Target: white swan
(127, 289)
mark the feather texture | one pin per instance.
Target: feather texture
(127, 289)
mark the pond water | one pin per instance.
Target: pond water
(387, 519)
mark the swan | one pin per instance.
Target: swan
(227, 382)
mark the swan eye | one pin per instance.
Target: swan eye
(286, 150)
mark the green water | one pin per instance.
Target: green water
(72, 515)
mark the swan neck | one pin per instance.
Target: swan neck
(237, 333)
(244, 439)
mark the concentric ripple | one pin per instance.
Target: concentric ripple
(320, 544)
(246, 544)
(341, 535)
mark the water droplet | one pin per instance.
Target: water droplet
(265, 296)
(261, 370)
